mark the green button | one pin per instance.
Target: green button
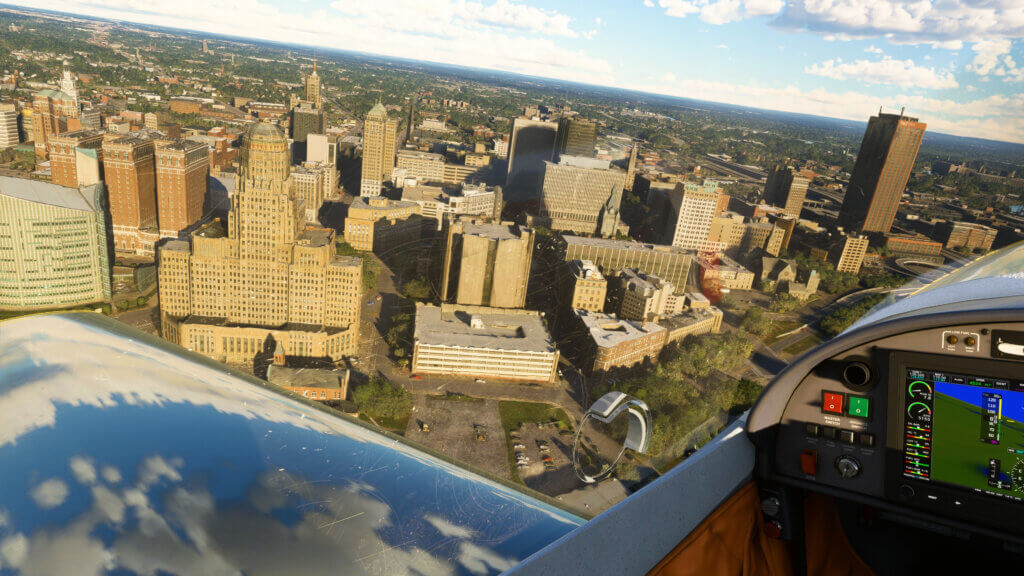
(859, 406)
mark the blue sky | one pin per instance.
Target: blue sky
(957, 64)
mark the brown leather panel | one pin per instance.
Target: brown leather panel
(828, 550)
(731, 541)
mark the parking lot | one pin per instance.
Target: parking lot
(554, 481)
(453, 431)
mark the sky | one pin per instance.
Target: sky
(958, 65)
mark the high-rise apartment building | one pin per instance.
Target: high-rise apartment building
(581, 195)
(182, 180)
(576, 137)
(693, 207)
(76, 158)
(886, 157)
(233, 296)
(533, 144)
(786, 188)
(379, 140)
(129, 170)
(313, 89)
(53, 245)
(8, 125)
(486, 264)
(848, 255)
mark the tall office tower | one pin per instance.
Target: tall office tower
(129, 169)
(848, 254)
(631, 167)
(786, 189)
(8, 125)
(307, 119)
(68, 85)
(486, 264)
(576, 137)
(269, 280)
(379, 134)
(76, 158)
(581, 195)
(533, 144)
(182, 179)
(313, 89)
(412, 117)
(693, 208)
(886, 157)
(54, 242)
(53, 112)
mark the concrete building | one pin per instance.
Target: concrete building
(320, 148)
(647, 297)
(581, 195)
(693, 321)
(786, 188)
(486, 264)
(576, 137)
(501, 147)
(312, 185)
(307, 119)
(617, 343)
(724, 273)
(380, 224)
(76, 158)
(693, 208)
(911, 245)
(232, 296)
(182, 179)
(672, 264)
(533, 144)
(848, 254)
(588, 288)
(129, 170)
(53, 245)
(886, 157)
(968, 235)
(421, 166)
(379, 140)
(9, 135)
(440, 205)
(482, 342)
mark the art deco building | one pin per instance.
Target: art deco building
(886, 157)
(379, 140)
(269, 279)
(486, 264)
(313, 89)
(786, 188)
(129, 170)
(182, 179)
(581, 195)
(53, 245)
(76, 158)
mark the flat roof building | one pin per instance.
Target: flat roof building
(581, 195)
(486, 263)
(786, 188)
(588, 288)
(619, 343)
(968, 235)
(378, 224)
(673, 264)
(483, 342)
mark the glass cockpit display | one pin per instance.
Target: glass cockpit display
(965, 430)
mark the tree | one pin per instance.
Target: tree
(381, 398)
(784, 303)
(756, 322)
(417, 289)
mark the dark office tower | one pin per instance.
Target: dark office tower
(533, 143)
(886, 156)
(576, 137)
(786, 188)
(306, 119)
(412, 113)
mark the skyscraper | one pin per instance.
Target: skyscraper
(693, 208)
(8, 125)
(576, 137)
(379, 135)
(581, 195)
(631, 167)
(307, 119)
(69, 85)
(129, 168)
(182, 178)
(886, 157)
(270, 279)
(786, 189)
(313, 88)
(486, 264)
(533, 144)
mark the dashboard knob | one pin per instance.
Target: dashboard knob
(847, 466)
(906, 492)
(771, 506)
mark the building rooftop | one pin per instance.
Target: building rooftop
(585, 269)
(315, 236)
(305, 377)
(46, 193)
(622, 244)
(421, 193)
(688, 317)
(184, 145)
(493, 230)
(607, 330)
(482, 327)
(176, 245)
(585, 162)
(78, 134)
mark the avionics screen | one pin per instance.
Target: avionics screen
(965, 430)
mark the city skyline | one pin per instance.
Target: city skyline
(954, 65)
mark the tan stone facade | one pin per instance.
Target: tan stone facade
(380, 224)
(379, 139)
(487, 264)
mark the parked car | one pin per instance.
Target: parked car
(518, 446)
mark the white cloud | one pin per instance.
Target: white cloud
(649, 3)
(872, 50)
(83, 470)
(885, 71)
(13, 550)
(992, 57)
(50, 493)
(970, 88)
(721, 11)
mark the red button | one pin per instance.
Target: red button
(809, 462)
(832, 402)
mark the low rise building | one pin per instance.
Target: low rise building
(377, 223)
(483, 342)
(618, 343)
(724, 273)
(911, 245)
(967, 235)
(587, 286)
(439, 204)
(647, 297)
(315, 380)
(692, 322)
(670, 263)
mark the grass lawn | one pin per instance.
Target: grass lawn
(803, 345)
(515, 414)
(780, 328)
(454, 396)
(396, 425)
